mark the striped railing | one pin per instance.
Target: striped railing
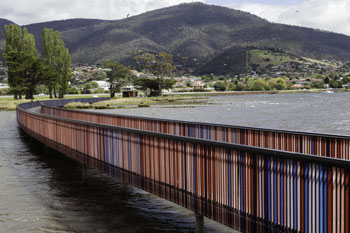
(334, 146)
(277, 190)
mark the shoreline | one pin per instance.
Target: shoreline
(9, 104)
(218, 93)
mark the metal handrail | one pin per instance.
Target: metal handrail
(206, 123)
(244, 148)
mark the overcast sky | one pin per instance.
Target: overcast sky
(332, 15)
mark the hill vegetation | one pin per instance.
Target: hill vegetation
(195, 34)
(242, 60)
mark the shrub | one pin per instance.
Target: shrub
(257, 85)
(278, 83)
(73, 91)
(335, 84)
(219, 86)
(318, 84)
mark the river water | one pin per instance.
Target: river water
(41, 193)
(52, 193)
(319, 113)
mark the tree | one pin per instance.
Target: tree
(333, 76)
(92, 85)
(57, 62)
(33, 75)
(345, 80)
(160, 66)
(24, 66)
(220, 86)
(335, 84)
(73, 91)
(318, 84)
(89, 86)
(154, 84)
(118, 75)
(47, 55)
(66, 72)
(13, 52)
(326, 80)
(232, 86)
(32, 67)
(240, 86)
(278, 83)
(257, 85)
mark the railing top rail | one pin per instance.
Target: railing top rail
(207, 124)
(251, 149)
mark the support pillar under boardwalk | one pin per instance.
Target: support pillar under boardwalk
(199, 223)
(84, 174)
(46, 150)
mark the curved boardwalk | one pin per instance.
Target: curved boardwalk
(253, 180)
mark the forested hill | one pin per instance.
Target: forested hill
(5, 22)
(194, 33)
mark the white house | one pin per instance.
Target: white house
(103, 84)
(4, 86)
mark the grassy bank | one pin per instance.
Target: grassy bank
(173, 99)
(9, 104)
(140, 102)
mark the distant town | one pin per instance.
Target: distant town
(92, 79)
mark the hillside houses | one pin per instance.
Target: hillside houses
(296, 76)
(82, 74)
(3, 73)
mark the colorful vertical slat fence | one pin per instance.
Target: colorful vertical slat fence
(233, 183)
(334, 146)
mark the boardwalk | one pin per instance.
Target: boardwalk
(252, 180)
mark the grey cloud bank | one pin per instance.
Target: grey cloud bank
(331, 15)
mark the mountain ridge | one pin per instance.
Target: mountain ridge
(194, 33)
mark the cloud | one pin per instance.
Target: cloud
(331, 15)
(31, 11)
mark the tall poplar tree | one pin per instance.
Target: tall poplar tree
(13, 37)
(47, 55)
(57, 62)
(24, 66)
(32, 66)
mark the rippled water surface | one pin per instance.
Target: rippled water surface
(51, 193)
(321, 113)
